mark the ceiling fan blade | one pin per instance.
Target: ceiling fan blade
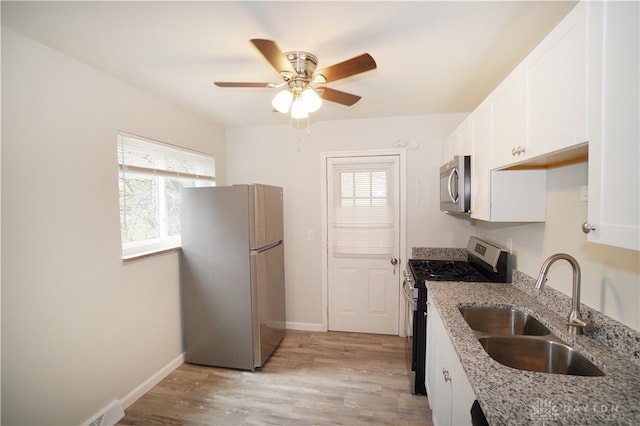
(233, 84)
(273, 55)
(337, 96)
(353, 66)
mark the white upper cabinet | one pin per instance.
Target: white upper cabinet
(614, 142)
(480, 162)
(501, 195)
(555, 82)
(577, 91)
(507, 104)
(458, 143)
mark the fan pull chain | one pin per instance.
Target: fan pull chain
(299, 137)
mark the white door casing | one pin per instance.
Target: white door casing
(361, 283)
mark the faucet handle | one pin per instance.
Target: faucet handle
(578, 325)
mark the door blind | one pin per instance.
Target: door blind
(363, 218)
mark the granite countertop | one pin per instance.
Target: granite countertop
(511, 397)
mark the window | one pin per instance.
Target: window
(151, 175)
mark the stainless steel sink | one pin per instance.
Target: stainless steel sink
(536, 354)
(502, 321)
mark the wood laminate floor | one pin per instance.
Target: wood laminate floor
(312, 379)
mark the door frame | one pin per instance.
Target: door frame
(402, 225)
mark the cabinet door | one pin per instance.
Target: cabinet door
(614, 150)
(481, 162)
(441, 394)
(465, 138)
(430, 361)
(451, 146)
(462, 395)
(507, 104)
(442, 406)
(556, 87)
(451, 395)
(502, 195)
(458, 143)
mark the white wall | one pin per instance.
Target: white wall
(79, 328)
(274, 155)
(610, 275)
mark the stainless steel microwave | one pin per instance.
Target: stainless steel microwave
(455, 185)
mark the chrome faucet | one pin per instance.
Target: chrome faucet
(576, 322)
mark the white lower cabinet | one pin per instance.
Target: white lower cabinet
(449, 392)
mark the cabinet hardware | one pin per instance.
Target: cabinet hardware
(587, 227)
(518, 151)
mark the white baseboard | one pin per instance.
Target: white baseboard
(152, 381)
(108, 416)
(305, 326)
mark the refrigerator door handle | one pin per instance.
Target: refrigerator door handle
(265, 248)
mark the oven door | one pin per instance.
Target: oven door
(410, 298)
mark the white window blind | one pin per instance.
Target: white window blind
(140, 155)
(363, 209)
(151, 176)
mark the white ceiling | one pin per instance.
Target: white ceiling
(433, 57)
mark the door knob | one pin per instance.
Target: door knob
(394, 261)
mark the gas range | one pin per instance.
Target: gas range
(485, 262)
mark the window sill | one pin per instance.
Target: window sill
(151, 253)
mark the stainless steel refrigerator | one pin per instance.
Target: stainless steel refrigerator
(233, 301)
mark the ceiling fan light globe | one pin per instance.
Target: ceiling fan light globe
(298, 109)
(282, 101)
(311, 100)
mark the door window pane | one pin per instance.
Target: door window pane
(363, 210)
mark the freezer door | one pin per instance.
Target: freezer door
(267, 279)
(265, 209)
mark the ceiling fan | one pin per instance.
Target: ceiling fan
(298, 71)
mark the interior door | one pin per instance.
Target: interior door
(363, 244)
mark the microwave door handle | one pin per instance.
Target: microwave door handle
(454, 172)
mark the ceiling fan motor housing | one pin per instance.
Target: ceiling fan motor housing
(304, 63)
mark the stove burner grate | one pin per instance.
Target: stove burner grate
(446, 270)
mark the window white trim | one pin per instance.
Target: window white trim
(165, 166)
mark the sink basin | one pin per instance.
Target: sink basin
(502, 321)
(536, 354)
